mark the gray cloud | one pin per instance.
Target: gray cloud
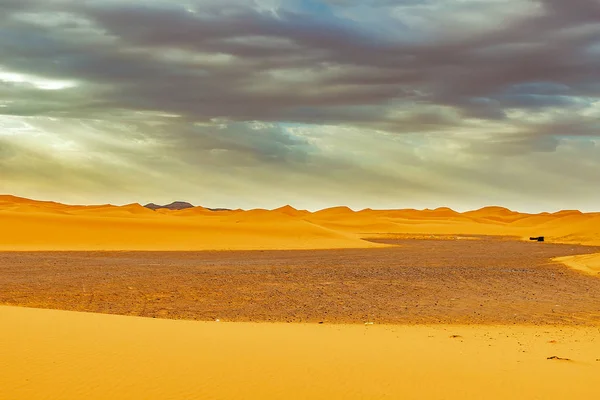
(168, 86)
(230, 59)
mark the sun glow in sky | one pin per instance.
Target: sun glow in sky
(314, 103)
(38, 83)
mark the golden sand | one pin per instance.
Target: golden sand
(35, 225)
(46, 354)
(39, 225)
(588, 263)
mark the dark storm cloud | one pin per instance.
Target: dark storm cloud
(285, 64)
(159, 87)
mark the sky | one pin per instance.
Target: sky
(313, 103)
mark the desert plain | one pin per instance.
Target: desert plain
(289, 303)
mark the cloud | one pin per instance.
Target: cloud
(327, 93)
(235, 60)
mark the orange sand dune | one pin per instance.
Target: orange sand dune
(334, 211)
(532, 220)
(41, 225)
(588, 263)
(442, 212)
(37, 231)
(491, 211)
(194, 211)
(132, 210)
(49, 354)
(564, 213)
(291, 211)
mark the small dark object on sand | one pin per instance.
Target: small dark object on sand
(558, 358)
(539, 238)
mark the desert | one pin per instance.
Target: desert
(413, 281)
(299, 199)
(71, 355)
(124, 301)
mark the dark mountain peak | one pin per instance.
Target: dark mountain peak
(152, 206)
(176, 205)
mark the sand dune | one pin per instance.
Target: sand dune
(334, 211)
(490, 211)
(588, 263)
(56, 354)
(43, 225)
(564, 213)
(38, 231)
(67, 355)
(291, 211)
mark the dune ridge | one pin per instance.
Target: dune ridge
(44, 225)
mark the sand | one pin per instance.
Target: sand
(587, 263)
(131, 231)
(46, 354)
(37, 225)
(482, 281)
(358, 276)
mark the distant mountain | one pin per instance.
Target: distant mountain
(176, 205)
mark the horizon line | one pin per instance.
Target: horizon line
(440, 208)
